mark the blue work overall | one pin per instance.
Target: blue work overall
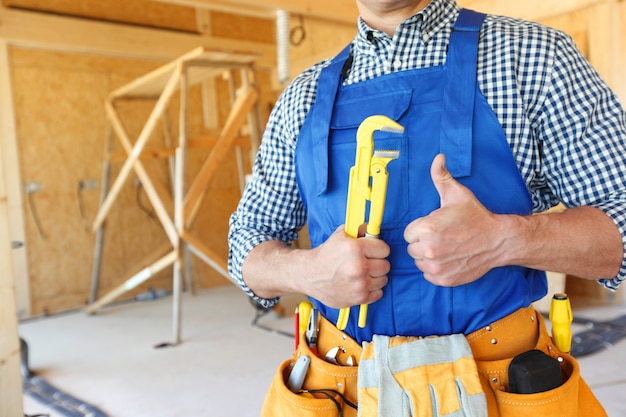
(442, 111)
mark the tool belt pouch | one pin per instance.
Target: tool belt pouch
(572, 398)
(328, 390)
(562, 401)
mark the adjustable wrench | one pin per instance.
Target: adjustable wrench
(369, 164)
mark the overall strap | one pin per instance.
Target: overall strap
(459, 93)
(327, 88)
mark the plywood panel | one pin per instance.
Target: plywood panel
(319, 39)
(60, 134)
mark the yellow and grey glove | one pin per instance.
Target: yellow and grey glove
(419, 377)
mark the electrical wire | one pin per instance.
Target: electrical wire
(35, 214)
(282, 45)
(330, 394)
(297, 35)
(141, 205)
(81, 205)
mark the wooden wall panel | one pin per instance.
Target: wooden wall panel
(322, 39)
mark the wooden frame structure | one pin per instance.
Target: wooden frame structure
(177, 214)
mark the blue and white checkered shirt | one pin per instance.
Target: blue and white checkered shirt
(565, 127)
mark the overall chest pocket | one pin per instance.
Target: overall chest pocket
(349, 114)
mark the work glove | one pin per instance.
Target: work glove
(420, 377)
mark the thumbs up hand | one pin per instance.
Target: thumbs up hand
(457, 243)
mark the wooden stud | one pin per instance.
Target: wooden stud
(169, 146)
(97, 251)
(8, 143)
(10, 377)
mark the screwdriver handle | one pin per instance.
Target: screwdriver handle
(561, 318)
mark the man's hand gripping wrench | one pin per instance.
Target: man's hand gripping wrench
(368, 164)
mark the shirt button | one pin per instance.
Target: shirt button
(397, 64)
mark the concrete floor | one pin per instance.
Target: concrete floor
(222, 368)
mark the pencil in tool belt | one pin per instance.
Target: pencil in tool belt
(369, 167)
(303, 313)
(296, 331)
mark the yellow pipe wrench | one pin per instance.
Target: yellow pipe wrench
(368, 164)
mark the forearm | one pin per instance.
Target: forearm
(270, 268)
(581, 241)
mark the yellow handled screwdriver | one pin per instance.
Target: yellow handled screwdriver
(561, 318)
(368, 165)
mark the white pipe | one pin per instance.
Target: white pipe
(282, 45)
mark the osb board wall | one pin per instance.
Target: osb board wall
(60, 121)
(315, 40)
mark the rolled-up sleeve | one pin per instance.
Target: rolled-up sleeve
(271, 207)
(583, 131)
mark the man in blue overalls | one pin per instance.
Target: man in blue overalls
(503, 118)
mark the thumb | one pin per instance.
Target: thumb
(449, 189)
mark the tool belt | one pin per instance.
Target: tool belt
(335, 389)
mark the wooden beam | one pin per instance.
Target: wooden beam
(10, 377)
(334, 10)
(254, 10)
(69, 34)
(10, 162)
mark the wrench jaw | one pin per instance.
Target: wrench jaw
(368, 165)
(377, 122)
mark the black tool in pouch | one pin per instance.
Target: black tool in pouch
(534, 371)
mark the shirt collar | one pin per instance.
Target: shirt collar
(430, 20)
